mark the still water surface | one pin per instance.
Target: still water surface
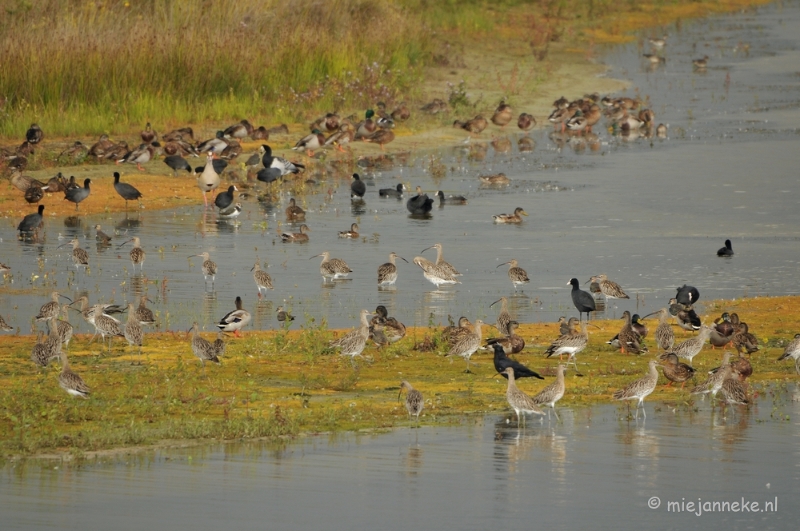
(591, 471)
(650, 213)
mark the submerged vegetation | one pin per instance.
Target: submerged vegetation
(83, 68)
(285, 383)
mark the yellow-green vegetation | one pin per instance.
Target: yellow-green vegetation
(82, 68)
(283, 384)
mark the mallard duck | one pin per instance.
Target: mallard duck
(183, 133)
(344, 135)
(512, 343)
(577, 123)
(235, 320)
(700, 64)
(297, 237)
(516, 217)
(294, 212)
(327, 124)
(502, 115)
(23, 182)
(526, 122)
(148, 135)
(214, 145)
(560, 117)
(497, 180)
(435, 107)
(310, 142)
(34, 135)
(367, 126)
(676, 371)
(34, 194)
(352, 233)
(381, 136)
(241, 130)
(475, 125)
(401, 113)
(139, 156)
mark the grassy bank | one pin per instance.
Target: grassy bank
(278, 383)
(84, 68)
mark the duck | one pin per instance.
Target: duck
(367, 126)
(179, 134)
(512, 343)
(502, 115)
(676, 371)
(526, 122)
(23, 182)
(296, 237)
(343, 136)
(499, 179)
(393, 192)
(352, 233)
(294, 212)
(451, 199)
(726, 251)
(700, 64)
(241, 130)
(34, 194)
(311, 142)
(139, 156)
(401, 113)
(214, 145)
(328, 123)
(420, 204)
(34, 134)
(516, 217)
(475, 125)
(235, 320)
(101, 147)
(148, 135)
(380, 137)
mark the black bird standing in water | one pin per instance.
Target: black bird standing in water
(125, 190)
(357, 187)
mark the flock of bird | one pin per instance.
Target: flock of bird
(464, 339)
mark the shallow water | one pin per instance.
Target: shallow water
(486, 474)
(650, 213)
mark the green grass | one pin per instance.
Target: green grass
(84, 68)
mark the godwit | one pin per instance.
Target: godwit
(640, 389)
(552, 393)
(262, 278)
(519, 401)
(133, 332)
(414, 400)
(79, 255)
(137, 254)
(352, 344)
(468, 344)
(332, 268)
(387, 273)
(516, 274)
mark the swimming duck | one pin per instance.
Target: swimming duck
(352, 233)
(235, 320)
(310, 142)
(502, 115)
(726, 251)
(294, 212)
(516, 217)
(499, 179)
(700, 64)
(296, 237)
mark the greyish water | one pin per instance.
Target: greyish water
(650, 213)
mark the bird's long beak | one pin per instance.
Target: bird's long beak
(70, 300)
(495, 302)
(504, 263)
(123, 243)
(403, 259)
